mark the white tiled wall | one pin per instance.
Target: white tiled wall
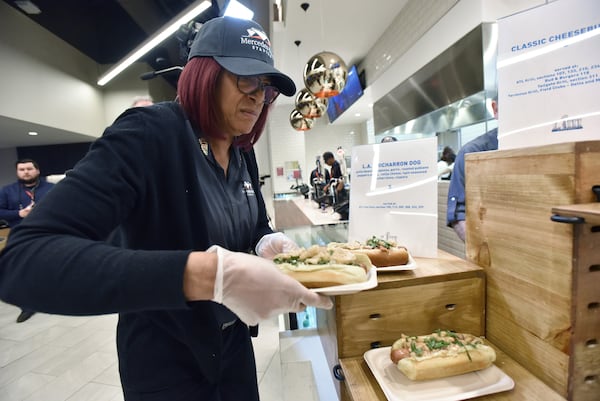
(287, 144)
(416, 18)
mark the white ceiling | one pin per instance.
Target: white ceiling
(348, 28)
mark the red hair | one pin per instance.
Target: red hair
(196, 90)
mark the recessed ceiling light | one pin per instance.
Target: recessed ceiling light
(183, 18)
(28, 7)
(32, 133)
(357, 115)
(238, 10)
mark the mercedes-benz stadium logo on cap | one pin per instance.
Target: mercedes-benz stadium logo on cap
(258, 40)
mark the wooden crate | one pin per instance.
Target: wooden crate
(529, 259)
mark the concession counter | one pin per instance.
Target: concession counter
(529, 284)
(437, 293)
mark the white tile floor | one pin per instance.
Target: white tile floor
(64, 358)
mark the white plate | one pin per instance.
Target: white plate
(351, 288)
(411, 265)
(398, 387)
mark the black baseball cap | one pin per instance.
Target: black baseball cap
(242, 48)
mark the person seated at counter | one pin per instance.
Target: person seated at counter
(319, 178)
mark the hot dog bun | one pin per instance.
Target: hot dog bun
(383, 257)
(318, 276)
(382, 253)
(318, 267)
(441, 354)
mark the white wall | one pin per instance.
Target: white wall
(8, 173)
(458, 21)
(287, 144)
(44, 80)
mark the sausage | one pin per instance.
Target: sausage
(398, 354)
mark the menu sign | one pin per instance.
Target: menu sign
(549, 74)
(394, 194)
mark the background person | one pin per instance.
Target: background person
(141, 101)
(179, 181)
(446, 163)
(389, 138)
(456, 211)
(337, 177)
(18, 199)
(319, 178)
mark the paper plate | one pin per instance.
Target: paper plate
(398, 387)
(351, 288)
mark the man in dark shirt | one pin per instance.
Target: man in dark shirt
(337, 178)
(18, 199)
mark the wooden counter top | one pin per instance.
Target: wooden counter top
(588, 211)
(361, 385)
(429, 270)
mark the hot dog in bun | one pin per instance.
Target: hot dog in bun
(319, 266)
(440, 354)
(382, 253)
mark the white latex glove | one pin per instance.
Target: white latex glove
(254, 289)
(272, 244)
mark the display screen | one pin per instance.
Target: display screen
(352, 91)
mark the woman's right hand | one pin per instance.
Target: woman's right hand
(252, 287)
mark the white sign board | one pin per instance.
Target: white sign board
(394, 194)
(549, 74)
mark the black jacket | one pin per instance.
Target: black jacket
(146, 185)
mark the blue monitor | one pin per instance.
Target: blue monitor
(352, 91)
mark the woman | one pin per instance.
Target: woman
(156, 223)
(446, 163)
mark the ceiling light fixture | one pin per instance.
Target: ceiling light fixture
(184, 17)
(325, 73)
(32, 133)
(238, 10)
(299, 122)
(310, 106)
(28, 7)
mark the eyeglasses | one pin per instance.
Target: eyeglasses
(252, 84)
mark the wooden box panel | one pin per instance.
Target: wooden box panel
(584, 362)
(527, 257)
(377, 318)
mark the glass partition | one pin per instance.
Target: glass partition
(306, 236)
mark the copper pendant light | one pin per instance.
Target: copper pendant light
(310, 106)
(299, 122)
(325, 74)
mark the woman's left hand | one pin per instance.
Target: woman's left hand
(272, 244)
